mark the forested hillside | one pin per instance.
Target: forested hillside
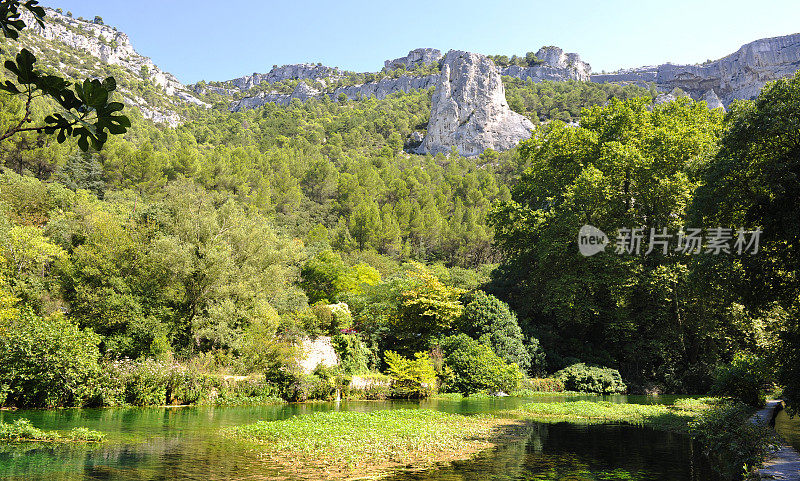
(220, 242)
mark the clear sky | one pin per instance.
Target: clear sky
(219, 40)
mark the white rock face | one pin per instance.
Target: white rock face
(556, 65)
(415, 58)
(304, 92)
(640, 76)
(469, 109)
(113, 47)
(712, 100)
(740, 75)
(386, 86)
(298, 71)
(379, 90)
(318, 352)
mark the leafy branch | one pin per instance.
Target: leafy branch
(86, 112)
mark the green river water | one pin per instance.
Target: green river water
(183, 443)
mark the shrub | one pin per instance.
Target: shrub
(743, 379)
(47, 362)
(731, 439)
(145, 384)
(253, 390)
(591, 379)
(297, 386)
(23, 430)
(353, 355)
(486, 315)
(411, 378)
(474, 367)
(370, 386)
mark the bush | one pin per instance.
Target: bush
(296, 386)
(253, 390)
(732, 441)
(411, 378)
(591, 379)
(23, 430)
(472, 367)
(353, 355)
(486, 315)
(375, 386)
(156, 383)
(47, 362)
(743, 379)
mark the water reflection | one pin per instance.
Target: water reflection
(581, 453)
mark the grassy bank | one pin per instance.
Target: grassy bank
(674, 417)
(22, 430)
(336, 445)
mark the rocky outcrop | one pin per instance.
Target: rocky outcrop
(712, 100)
(299, 71)
(260, 100)
(641, 76)
(469, 109)
(386, 86)
(380, 90)
(415, 58)
(113, 47)
(740, 75)
(317, 352)
(555, 65)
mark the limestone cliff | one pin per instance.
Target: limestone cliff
(113, 47)
(740, 75)
(469, 109)
(555, 65)
(299, 71)
(415, 58)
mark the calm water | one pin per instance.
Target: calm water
(182, 443)
(789, 428)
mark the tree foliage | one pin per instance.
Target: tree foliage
(86, 110)
(754, 182)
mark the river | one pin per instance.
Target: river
(174, 443)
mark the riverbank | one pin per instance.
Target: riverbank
(784, 463)
(675, 417)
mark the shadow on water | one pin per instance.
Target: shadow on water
(184, 443)
(595, 452)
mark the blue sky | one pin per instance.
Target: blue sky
(200, 39)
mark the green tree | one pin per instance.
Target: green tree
(425, 308)
(46, 362)
(472, 367)
(486, 315)
(626, 166)
(753, 183)
(411, 378)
